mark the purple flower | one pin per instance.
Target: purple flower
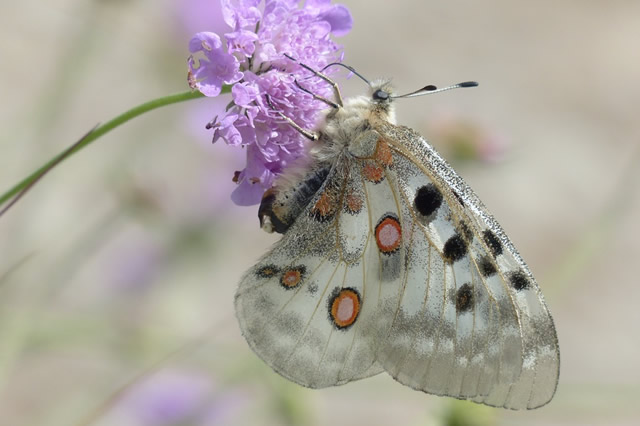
(179, 397)
(336, 15)
(167, 398)
(216, 67)
(136, 261)
(242, 41)
(254, 62)
(198, 15)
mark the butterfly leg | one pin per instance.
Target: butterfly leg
(318, 97)
(336, 89)
(307, 134)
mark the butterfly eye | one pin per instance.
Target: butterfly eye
(380, 95)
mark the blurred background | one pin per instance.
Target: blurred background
(117, 271)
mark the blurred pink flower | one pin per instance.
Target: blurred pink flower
(168, 398)
(179, 397)
(465, 140)
(135, 261)
(199, 15)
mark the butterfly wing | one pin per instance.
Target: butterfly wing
(395, 265)
(471, 321)
(310, 308)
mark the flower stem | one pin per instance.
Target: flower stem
(100, 130)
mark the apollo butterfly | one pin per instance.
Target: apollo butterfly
(390, 263)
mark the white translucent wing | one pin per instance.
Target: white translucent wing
(471, 321)
(311, 308)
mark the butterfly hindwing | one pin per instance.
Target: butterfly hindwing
(318, 331)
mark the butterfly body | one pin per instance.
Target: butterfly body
(389, 262)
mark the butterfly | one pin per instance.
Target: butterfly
(390, 263)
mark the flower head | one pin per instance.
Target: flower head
(252, 59)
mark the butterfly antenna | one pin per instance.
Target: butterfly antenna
(349, 68)
(428, 90)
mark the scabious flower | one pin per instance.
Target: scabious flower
(252, 59)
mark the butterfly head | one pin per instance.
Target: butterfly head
(381, 91)
(381, 100)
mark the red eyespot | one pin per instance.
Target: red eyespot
(344, 307)
(292, 277)
(388, 234)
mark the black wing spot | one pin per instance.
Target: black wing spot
(428, 199)
(492, 242)
(465, 230)
(455, 248)
(464, 299)
(519, 280)
(268, 271)
(486, 266)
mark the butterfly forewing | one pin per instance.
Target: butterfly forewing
(436, 335)
(502, 344)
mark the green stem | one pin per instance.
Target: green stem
(99, 131)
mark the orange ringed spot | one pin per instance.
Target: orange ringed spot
(383, 153)
(292, 277)
(388, 234)
(344, 307)
(373, 172)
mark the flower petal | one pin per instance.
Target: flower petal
(242, 13)
(204, 41)
(242, 41)
(214, 67)
(247, 194)
(244, 94)
(339, 18)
